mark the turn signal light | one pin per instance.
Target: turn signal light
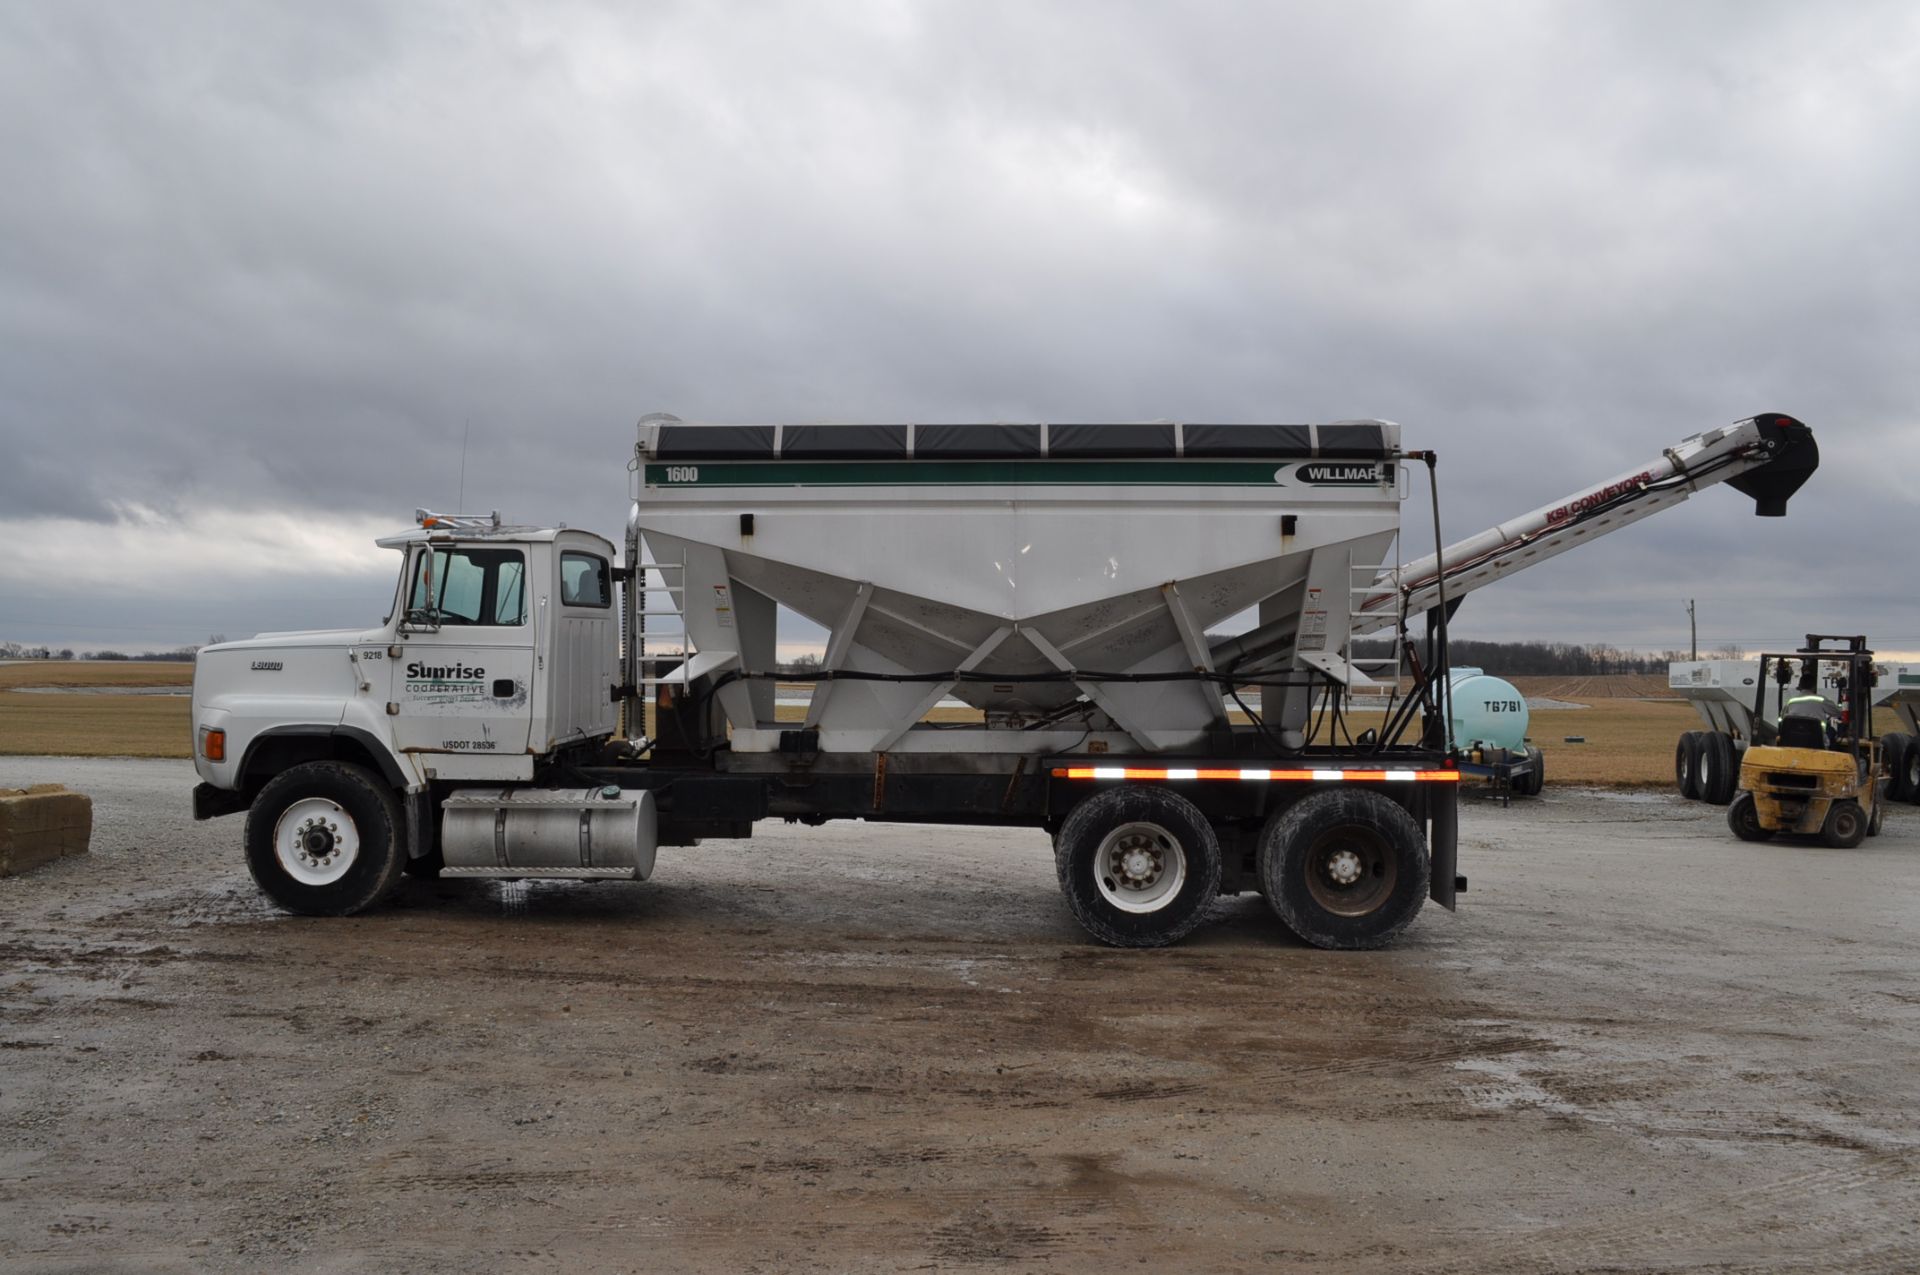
(213, 745)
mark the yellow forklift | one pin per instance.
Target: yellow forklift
(1818, 770)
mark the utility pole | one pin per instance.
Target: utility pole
(1693, 633)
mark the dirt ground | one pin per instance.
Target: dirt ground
(1639, 1046)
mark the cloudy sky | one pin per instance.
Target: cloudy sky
(263, 266)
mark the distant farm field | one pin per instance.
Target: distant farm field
(76, 724)
(96, 673)
(1628, 740)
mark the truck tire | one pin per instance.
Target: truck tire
(324, 839)
(1719, 776)
(1846, 825)
(1686, 764)
(1139, 865)
(1345, 868)
(1744, 818)
(1903, 766)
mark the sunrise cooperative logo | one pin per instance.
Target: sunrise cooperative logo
(443, 677)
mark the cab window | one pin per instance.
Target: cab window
(470, 585)
(584, 580)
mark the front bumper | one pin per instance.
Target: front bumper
(210, 802)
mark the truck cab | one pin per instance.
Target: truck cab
(497, 660)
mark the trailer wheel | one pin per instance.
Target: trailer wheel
(1903, 766)
(1744, 818)
(1537, 778)
(1846, 825)
(1686, 764)
(1344, 868)
(323, 839)
(1718, 777)
(1139, 865)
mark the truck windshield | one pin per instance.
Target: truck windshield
(469, 585)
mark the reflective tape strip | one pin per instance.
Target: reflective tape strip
(1261, 776)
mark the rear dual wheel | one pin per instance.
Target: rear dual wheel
(1139, 865)
(1686, 764)
(1717, 767)
(1344, 868)
(1903, 766)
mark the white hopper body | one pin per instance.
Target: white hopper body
(1011, 568)
(1899, 689)
(1722, 692)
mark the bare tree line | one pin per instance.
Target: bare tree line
(179, 654)
(1552, 659)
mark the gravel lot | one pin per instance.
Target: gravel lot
(1639, 1046)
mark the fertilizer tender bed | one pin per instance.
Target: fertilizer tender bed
(1135, 637)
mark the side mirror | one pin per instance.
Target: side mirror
(421, 620)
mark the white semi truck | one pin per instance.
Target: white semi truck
(1063, 581)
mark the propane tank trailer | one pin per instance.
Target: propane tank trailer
(1489, 726)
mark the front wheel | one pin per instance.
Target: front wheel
(1744, 818)
(323, 839)
(1846, 825)
(1139, 865)
(1344, 869)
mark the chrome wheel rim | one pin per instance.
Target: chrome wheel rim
(1140, 867)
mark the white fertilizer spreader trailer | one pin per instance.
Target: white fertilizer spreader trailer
(1063, 580)
(1726, 693)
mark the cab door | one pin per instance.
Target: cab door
(463, 683)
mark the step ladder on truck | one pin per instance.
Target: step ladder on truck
(1065, 583)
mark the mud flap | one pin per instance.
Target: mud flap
(1443, 847)
(420, 829)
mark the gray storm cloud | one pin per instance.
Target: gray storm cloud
(279, 259)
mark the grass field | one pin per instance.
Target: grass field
(96, 673)
(94, 725)
(1628, 741)
(82, 725)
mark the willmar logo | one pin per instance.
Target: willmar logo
(1347, 474)
(1581, 504)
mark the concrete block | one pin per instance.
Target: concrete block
(41, 824)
